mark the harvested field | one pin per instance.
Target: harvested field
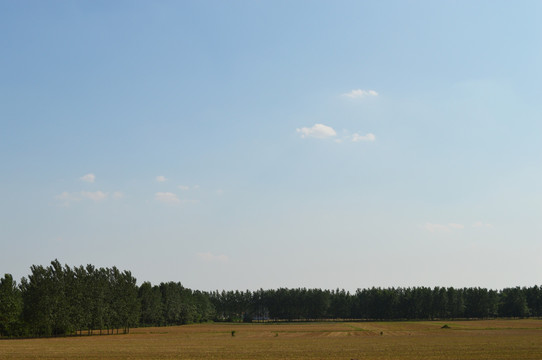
(488, 339)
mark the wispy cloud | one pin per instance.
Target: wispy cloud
(166, 197)
(212, 258)
(480, 224)
(357, 94)
(442, 227)
(94, 195)
(88, 178)
(161, 178)
(357, 137)
(117, 195)
(187, 187)
(67, 198)
(319, 131)
(190, 201)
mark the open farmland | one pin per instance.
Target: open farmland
(489, 339)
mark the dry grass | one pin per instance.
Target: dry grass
(491, 339)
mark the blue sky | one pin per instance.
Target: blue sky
(248, 144)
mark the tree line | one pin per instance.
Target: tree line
(412, 303)
(61, 300)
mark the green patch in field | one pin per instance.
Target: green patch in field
(356, 328)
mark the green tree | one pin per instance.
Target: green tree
(171, 302)
(513, 303)
(37, 302)
(11, 306)
(124, 303)
(534, 300)
(150, 298)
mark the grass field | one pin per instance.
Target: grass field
(488, 339)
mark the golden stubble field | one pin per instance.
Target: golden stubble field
(488, 339)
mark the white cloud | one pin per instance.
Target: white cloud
(212, 258)
(94, 195)
(357, 137)
(167, 197)
(318, 131)
(187, 187)
(442, 228)
(190, 201)
(161, 178)
(357, 94)
(88, 178)
(480, 224)
(118, 195)
(435, 227)
(67, 198)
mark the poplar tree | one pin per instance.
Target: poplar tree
(10, 306)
